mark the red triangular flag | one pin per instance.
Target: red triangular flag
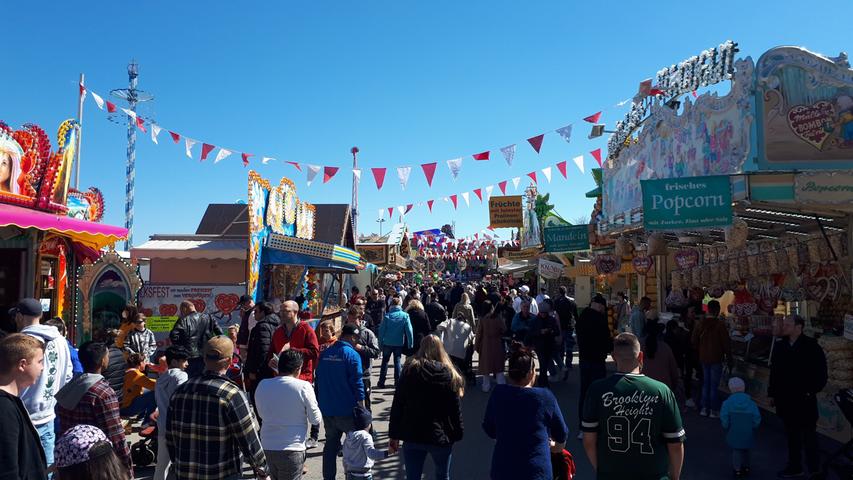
(379, 176)
(206, 148)
(328, 173)
(429, 204)
(481, 155)
(111, 107)
(141, 124)
(593, 118)
(479, 193)
(409, 208)
(176, 137)
(502, 186)
(532, 176)
(536, 142)
(596, 154)
(246, 158)
(295, 165)
(429, 171)
(562, 168)
(390, 212)
(454, 200)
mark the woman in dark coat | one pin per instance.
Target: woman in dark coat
(421, 326)
(256, 367)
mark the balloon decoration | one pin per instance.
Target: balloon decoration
(312, 294)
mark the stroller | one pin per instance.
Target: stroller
(841, 461)
(144, 452)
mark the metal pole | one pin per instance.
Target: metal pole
(133, 73)
(354, 205)
(79, 130)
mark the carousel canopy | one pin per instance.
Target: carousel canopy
(285, 250)
(93, 235)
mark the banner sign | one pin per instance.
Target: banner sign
(521, 254)
(687, 203)
(823, 188)
(566, 238)
(375, 254)
(506, 212)
(549, 269)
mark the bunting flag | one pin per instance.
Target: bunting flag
(155, 130)
(129, 113)
(403, 175)
(596, 154)
(206, 148)
(547, 172)
(312, 172)
(594, 118)
(223, 152)
(466, 197)
(295, 165)
(455, 166)
(402, 210)
(489, 191)
(532, 176)
(536, 142)
(266, 160)
(98, 100)
(140, 123)
(429, 171)
(379, 176)
(502, 186)
(481, 156)
(429, 204)
(356, 172)
(454, 200)
(328, 173)
(579, 162)
(515, 182)
(566, 133)
(508, 153)
(188, 144)
(176, 137)
(409, 208)
(245, 157)
(390, 212)
(562, 168)
(111, 107)
(479, 193)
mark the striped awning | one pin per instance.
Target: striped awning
(284, 250)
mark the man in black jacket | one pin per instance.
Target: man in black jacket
(594, 344)
(247, 307)
(797, 374)
(191, 331)
(260, 343)
(567, 313)
(116, 366)
(367, 348)
(435, 311)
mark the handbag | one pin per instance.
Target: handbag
(563, 465)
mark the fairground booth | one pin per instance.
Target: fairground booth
(51, 240)
(743, 194)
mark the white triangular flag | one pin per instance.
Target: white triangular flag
(311, 172)
(566, 133)
(98, 100)
(509, 153)
(357, 173)
(155, 130)
(579, 162)
(515, 182)
(455, 166)
(188, 143)
(465, 196)
(547, 172)
(223, 152)
(266, 160)
(129, 113)
(403, 175)
(402, 210)
(489, 191)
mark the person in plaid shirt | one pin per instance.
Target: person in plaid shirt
(211, 423)
(89, 400)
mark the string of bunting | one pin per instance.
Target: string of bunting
(311, 171)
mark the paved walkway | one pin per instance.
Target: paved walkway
(707, 456)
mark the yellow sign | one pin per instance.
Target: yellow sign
(521, 254)
(506, 212)
(160, 324)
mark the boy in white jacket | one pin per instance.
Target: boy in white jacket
(40, 398)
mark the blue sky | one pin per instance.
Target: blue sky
(407, 82)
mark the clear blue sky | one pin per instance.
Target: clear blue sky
(407, 82)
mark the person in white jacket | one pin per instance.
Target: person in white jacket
(456, 335)
(40, 398)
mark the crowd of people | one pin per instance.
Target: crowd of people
(256, 396)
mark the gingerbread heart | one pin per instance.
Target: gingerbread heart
(168, 310)
(226, 302)
(812, 123)
(606, 263)
(642, 265)
(687, 258)
(148, 312)
(199, 304)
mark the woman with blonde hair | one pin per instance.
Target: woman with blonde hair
(426, 413)
(465, 309)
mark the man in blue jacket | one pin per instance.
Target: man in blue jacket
(395, 332)
(339, 390)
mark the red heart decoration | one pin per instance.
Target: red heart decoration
(148, 312)
(226, 302)
(687, 258)
(199, 304)
(812, 123)
(642, 265)
(168, 310)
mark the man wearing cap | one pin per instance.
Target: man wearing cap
(339, 389)
(58, 370)
(211, 424)
(524, 296)
(594, 344)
